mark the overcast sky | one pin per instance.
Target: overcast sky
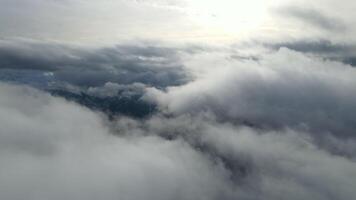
(112, 21)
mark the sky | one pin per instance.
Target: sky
(177, 99)
(112, 21)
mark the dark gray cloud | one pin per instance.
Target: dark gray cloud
(80, 66)
(323, 48)
(317, 46)
(312, 17)
(77, 73)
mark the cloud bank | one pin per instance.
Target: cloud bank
(65, 151)
(282, 89)
(280, 126)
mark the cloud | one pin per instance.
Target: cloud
(110, 79)
(52, 149)
(177, 21)
(313, 17)
(89, 21)
(282, 89)
(267, 164)
(62, 150)
(228, 125)
(255, 120)
(322, 48)
(153, 65)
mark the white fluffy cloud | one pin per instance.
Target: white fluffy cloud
(53, 149)
(282, 89)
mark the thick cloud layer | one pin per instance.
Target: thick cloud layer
(282, 89)
(273, 127)
(65, 151)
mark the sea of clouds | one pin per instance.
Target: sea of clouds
(275, 123)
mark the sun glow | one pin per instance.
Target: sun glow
(229, 16)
